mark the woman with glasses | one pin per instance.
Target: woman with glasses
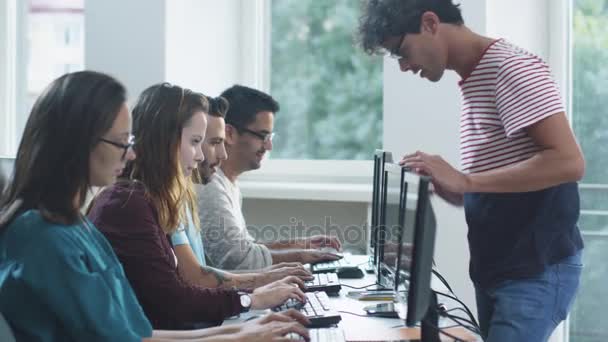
(59, 278)
(138, 214)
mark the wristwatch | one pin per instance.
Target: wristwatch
(245, 301)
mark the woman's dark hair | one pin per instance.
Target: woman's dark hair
(161, 113)
(382, 19)
(2, 184)
(218, 106)
(52, 164)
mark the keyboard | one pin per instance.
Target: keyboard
(321, 335)
(317, 309)
(334, 266)
(325, 282)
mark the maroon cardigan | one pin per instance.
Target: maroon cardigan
(129, 221)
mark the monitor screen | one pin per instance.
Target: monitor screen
(380, 158)
(390, 225)
(416, 250)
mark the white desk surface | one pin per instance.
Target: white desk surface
(371, 328)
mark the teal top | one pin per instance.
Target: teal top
(187, 234)
(64, 283)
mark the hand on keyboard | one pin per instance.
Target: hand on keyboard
(331, 250)
(275, 294)
(273, 326)
(280, 273)
(311, 256)
(320, 241)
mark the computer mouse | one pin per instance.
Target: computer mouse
(350, 273)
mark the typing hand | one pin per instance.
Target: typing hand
(291, 280)
(320, 241)
(275, 294)
(312, 256)
(273, 327)
(280, 273)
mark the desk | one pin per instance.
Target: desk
(373, 328)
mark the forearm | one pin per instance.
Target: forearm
(169, 335)
(229, 280)
(284, 244)
(547, 168)
(279, 256)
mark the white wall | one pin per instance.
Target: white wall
(127, 40)
(348, 220)
(523, 22)
(203, 44)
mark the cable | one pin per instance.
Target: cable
(457, 309)
(354, 314)
(445, 282)
(470, 314)
(447, 285)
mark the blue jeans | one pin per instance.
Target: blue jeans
(529, 309)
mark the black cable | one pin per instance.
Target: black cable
(470, 314)
(466, 308)
(457, 309)
(354, 314)
(445, 282)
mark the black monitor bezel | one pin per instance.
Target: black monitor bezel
(381, 267)
(419, 290)
(382, 157)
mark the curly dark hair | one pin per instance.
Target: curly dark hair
(382, 19)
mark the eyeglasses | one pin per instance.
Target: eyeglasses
(125, 147)
(395, 53)
(265, 137)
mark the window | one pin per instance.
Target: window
(55, 43)
(330, 92)
(589, 84)
(43, 39)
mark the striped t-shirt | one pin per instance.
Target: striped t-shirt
(512, 235)
(509, 90)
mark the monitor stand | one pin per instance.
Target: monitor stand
(429, 331)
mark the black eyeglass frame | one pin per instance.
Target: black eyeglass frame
(265, 137)
(125, 147)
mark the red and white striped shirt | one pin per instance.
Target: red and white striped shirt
(509, 90)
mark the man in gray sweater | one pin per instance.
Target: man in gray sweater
(228, 244)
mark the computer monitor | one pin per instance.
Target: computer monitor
(380, 158)
(416, 261)
(392, 210)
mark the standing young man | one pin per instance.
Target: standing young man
(249, 124)
(520, 163)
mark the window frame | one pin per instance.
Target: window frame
(12, 99)
(561, 59)
(255, 72)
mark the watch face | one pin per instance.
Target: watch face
(245, 301)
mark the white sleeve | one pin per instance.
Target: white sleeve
(226, 240)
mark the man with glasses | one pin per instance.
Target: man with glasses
(228, 244)
(520, 163)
